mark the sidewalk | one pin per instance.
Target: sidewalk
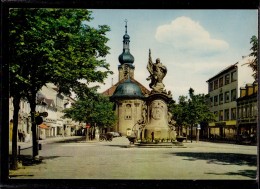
(24, 145)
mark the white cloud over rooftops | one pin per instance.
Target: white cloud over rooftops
(185, 34)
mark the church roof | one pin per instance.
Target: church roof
(127, 90)
(110, 91)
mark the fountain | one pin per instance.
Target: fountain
(156, 125)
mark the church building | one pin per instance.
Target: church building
(128, 94)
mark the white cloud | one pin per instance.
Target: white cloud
(185, 34)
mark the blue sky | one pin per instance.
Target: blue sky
(194, 45)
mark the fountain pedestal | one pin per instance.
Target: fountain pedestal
(157, 127)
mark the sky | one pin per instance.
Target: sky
(194, 45)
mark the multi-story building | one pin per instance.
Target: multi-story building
(51, 101)
(247, 110)
(223, 90)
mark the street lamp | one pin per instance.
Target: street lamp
(198, 133)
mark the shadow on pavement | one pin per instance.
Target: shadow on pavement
(220, 158)
(246, 173)
(27, 160)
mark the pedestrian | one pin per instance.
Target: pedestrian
(23, 136)
(19, 136)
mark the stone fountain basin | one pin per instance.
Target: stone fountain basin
(131, 138)
(180, 138)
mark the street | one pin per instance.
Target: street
(116, 160)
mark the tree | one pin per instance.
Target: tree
(254, 53)
(192, 110)
(95, 109)
(179, 112)
(52, 46)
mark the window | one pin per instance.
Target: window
(128, 112)
(239, 112)
(243, 113)
(247, 111)
(233, 114)
(221, 98)
(221, 115)
(233, 95)
(221, 82)
(226, 96)
(215, 84)
(250, 110)
(216, 115)
(210, 86)
(254, 109)
(215, 100)
(226, 114)
(227, 79)
(211, 101)
(233, 76)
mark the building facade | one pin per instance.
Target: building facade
(247, 111)
(223, 90)
(49, 100)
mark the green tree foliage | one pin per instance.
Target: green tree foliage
(95, 109)
(191, 110)
(254, 53)
(53, 46)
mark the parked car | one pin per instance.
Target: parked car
(115, 134)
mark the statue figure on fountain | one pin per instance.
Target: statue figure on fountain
(157, 72)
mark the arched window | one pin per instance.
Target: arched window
(128, 111)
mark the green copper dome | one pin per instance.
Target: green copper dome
(127, 89)
(126, 57)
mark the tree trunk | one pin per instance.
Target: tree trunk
(16, 104)
(32, 101)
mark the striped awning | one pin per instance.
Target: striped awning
(43, 126)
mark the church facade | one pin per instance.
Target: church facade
(128, 94)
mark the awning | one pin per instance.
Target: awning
(43, 126)
(223, 123)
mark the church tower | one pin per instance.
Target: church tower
(126, 67)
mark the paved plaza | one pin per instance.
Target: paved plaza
(116, 160)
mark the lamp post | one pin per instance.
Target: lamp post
(198, 133)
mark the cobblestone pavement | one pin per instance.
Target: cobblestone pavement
(116, 160)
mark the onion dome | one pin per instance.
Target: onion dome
(126, 56)
(127, 90)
